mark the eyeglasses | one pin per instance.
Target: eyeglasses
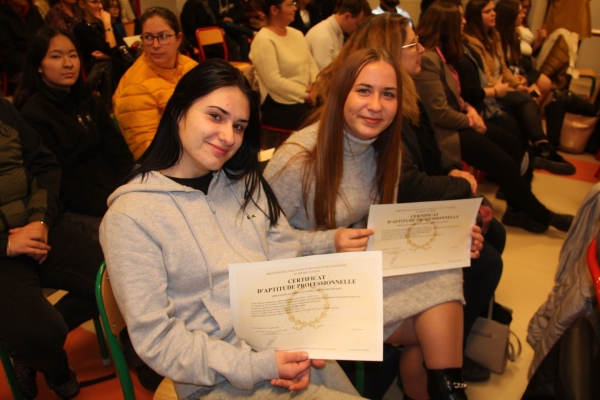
(413, 44)
(163, 38)
(292, 4)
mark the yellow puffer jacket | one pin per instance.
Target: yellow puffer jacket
(141, 97)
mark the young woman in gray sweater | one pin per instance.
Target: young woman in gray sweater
(327, 175)
(194, 204)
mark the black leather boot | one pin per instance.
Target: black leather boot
(446, 384)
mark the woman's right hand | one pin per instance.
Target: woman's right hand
(105, 17)
(30, 240)
(293, 369)
(478, 123)
(350, 239)
(501, 88)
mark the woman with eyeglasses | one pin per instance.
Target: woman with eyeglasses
(284, 67)
(461, 131)
(144, 89)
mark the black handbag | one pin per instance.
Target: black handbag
(122, 57)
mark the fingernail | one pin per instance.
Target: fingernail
(304, 355)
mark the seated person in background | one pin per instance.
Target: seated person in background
(284, 67)
(174, 294)
(114, 9)
(19, 21)
(391, 6)
(482, 36)
(326, 39)
(461, 132)
(38, 250)
(97, 39)
(307, 16)
(73, 123)
(64, 14)
(229, 15)
(145, 88)
(509, 16)
(199, 14)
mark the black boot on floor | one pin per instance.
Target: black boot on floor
(446, 384)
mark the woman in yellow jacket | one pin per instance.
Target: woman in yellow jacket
(145, 88)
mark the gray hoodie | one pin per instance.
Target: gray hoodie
(168, 248)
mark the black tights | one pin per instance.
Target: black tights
(498, 153)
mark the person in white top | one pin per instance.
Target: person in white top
(391, 6)
(327, 37)
(283, 66)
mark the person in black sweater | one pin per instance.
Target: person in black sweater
(73, 123)
(19, 21)
(98, 42)
(38, 250)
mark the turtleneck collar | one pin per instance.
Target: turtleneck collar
(354, 146)
(169, 74)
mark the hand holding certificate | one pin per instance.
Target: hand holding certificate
(420, 237)
(330, 305)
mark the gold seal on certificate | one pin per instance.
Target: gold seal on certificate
(304, 304)
(421, 234)
(307, 308)
(421, 237)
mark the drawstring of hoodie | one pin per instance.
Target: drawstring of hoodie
(210, 281)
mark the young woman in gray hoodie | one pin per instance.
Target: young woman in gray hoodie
(194, 204)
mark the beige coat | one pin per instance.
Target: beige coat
(489, 61)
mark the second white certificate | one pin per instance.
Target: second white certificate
(329, 305)
(421, 237)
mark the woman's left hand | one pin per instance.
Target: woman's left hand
(476, 241)
(457, 173)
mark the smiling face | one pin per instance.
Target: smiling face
(60, 66)
(411, 56)
(372, 102)
(91, 9)
(211, 132)
(488, 16)
(163, 55)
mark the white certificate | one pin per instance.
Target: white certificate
(330, 306)
(420, 237)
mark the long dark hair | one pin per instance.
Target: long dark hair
(166, 150)
(506, 15)
(325, 163)
(38, 47)
(440, 26)
(474, 26)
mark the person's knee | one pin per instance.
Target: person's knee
(43, 340)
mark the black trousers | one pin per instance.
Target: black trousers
(285, 116)
(482, 277)
(499, 153)
(521, 106)
(32, 330)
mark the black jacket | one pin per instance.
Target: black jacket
(424, 168)
(29, 176)
(15, 34)
(88, 146)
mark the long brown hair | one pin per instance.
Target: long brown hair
(506, 15)
(324, 165)
(440, 26)
(475, 28)
(386, 31)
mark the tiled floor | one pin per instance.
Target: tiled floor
(529, 264)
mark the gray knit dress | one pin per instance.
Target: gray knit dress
(403, 296)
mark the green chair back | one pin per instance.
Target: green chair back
(113, 323)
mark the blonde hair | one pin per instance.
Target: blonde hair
(387, 31)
